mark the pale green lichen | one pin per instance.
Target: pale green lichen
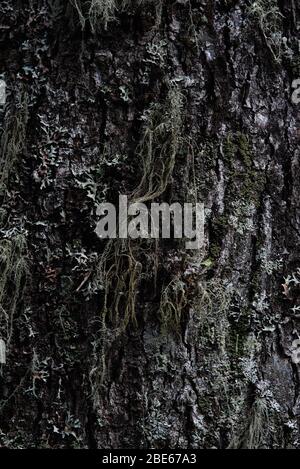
(100, 13)
(13, 274)
(269, 18)
(14, 136)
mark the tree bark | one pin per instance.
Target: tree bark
(139, 344)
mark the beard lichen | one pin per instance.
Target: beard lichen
(160, 144)
(121, 265)
(125, 263)
(14, 136)
(269, 18)
(13, 274)
(100, 13)
(13, 265)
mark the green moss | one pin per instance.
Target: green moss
(244, 149)
(248, 182)
(243, 182)
(230, 149)
(238, 334)
(238, 146)
(253, 186)
(121, 266)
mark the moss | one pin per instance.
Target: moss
(215, 251)
(237, 335)
(230, 149)
(238, 146)
(243, 183)
(248, 182)
(245, 149)
(253, 186)
(120, 274)
(97, 12)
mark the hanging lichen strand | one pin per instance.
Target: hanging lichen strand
(120, 269)
(14, 136)
(125, 263)
(13, 274)
(160, 145)
(13, 245)
(99, 13)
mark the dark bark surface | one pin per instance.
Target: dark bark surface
(143, 345)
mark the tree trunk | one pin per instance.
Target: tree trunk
(142, 343)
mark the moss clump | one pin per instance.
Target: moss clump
(244, 149)
(229, 149)
(238, 146)
(246, 182)
(244, 186)
(237, 335)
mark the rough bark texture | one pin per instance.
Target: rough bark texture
(148, 345)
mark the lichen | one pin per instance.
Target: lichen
(13, 274)
(269, 18)
(14, 136)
